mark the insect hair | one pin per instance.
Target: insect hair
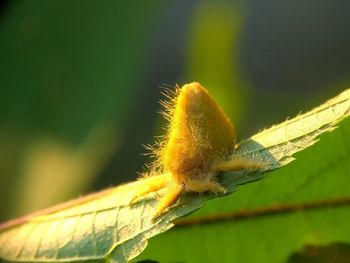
(155, 151)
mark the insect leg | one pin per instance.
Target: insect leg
(173, 193)
(151, 184)
(237, 163)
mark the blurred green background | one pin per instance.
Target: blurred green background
(80, 80)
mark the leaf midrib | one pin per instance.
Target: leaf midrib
(273, 210)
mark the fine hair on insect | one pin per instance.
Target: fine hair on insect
(197, 146)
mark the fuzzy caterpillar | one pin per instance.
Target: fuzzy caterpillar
(199, 138)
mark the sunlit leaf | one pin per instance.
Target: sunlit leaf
(306, 203)
(108, 226)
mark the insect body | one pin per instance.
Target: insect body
(199, 133)
(199, 140)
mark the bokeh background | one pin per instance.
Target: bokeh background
(80, 80)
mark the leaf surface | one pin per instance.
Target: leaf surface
(107, 226)
(305, 204)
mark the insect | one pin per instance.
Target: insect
(196, 148)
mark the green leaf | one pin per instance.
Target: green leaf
(304, 204)
(107, 226)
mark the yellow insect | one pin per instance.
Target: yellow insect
(197, 146)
